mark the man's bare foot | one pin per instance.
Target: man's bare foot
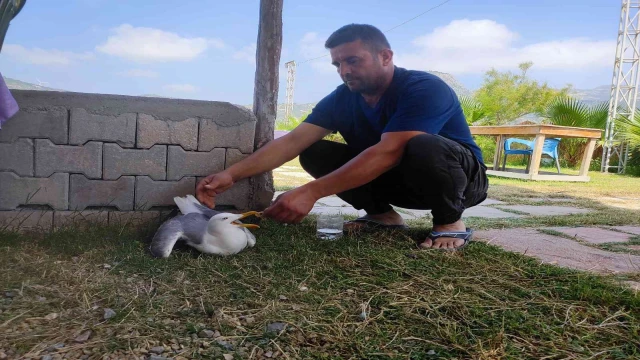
(389, 218)
(445, 242)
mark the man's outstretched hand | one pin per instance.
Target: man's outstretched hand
(211, 186)
(291, 207)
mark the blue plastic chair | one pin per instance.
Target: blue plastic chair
(549, 148)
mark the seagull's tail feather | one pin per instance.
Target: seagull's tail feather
(189, 204)
(165, 238)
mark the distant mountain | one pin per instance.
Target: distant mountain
(21, 85)
(592, 96)
(453, 82)
(154, 95)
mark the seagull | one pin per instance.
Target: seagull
(209, 231)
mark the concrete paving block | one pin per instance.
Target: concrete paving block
(85, 126)
(238, 136)
(85, 159)
(337, 211)
(233, 156)
(153, 131)
(405, 214)
(150, 193)
(135, 218)
(545, 210)
(332, 201)
(24, 220)
(419, 214)
(542, 199)
(119, 162)
(17, 157)
(49, 124)
(237, 196)
(488, 213)
(592, 235)
(628, 229)
(560, 251)
(85, 192)
(79, 219)
(183, 163)
(633, 285)
(488, 202)
(16, 191)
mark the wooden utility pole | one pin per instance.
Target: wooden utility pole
(265, 93)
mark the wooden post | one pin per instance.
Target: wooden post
(498, 154)
(586, 157)
(265, 93)
(536, 156)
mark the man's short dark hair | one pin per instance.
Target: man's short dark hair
(368, 34)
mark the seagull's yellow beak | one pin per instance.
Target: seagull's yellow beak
(248, 226)
(245, 215)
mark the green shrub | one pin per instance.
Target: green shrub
(488, 146)
(290, 123)
(335, 137)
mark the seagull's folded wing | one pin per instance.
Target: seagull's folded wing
(190, 205)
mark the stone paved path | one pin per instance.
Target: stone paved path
(566, 252)
(486, 209)
(582, 248)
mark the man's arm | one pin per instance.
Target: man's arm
(269, 157)
(278, 151)
(293, 206)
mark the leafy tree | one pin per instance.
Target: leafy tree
(505, 96)
(295, 121)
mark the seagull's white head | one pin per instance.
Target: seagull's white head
(229, 222)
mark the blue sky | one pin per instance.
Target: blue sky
(205, 49)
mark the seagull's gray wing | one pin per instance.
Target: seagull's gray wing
(194, 226)
(209, 213)
(165, 237)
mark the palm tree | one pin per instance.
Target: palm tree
(567, 111)
(630, 129)
(472, 110)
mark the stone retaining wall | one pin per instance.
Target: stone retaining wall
(72, 155)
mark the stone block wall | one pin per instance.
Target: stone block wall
(108, 158)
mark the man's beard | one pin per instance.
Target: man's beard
(364, 87)
(368, 86)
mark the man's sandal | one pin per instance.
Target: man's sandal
(465, 235)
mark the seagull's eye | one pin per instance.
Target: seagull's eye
(226, 218)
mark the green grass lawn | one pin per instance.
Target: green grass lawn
(361, 297)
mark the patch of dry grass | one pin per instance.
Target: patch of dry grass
(373, 297)
(611, 190)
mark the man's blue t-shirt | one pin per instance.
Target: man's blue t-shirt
(415, 101)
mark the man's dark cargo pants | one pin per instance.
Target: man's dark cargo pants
(434, 174)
